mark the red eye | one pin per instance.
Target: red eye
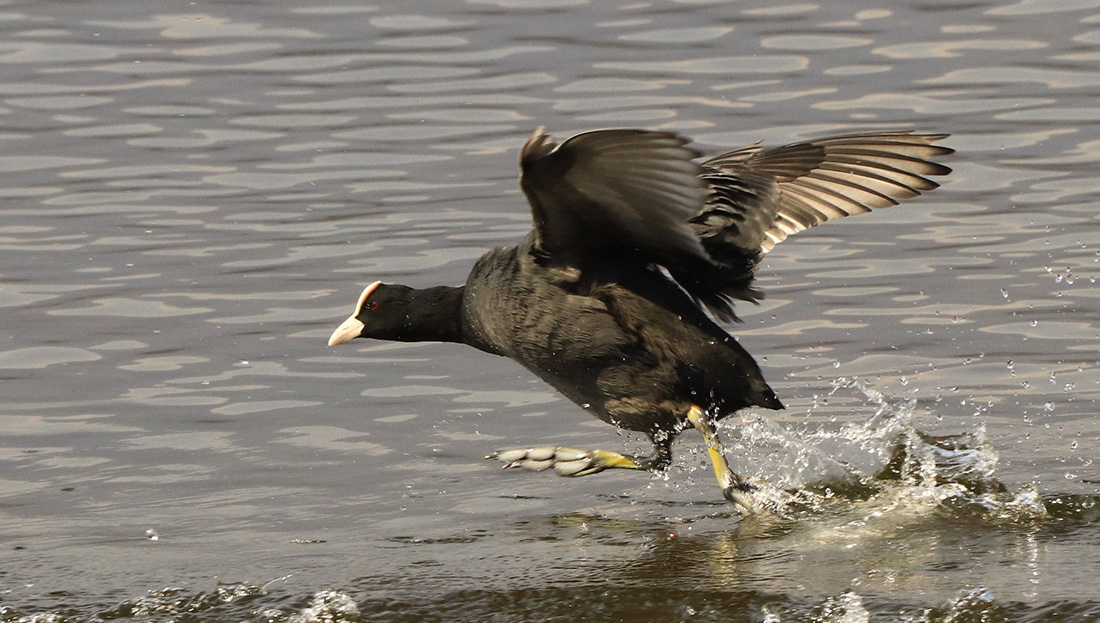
(374, 305)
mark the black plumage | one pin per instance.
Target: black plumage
(634, 242)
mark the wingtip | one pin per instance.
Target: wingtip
(538, 145)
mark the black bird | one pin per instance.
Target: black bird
(636, 251)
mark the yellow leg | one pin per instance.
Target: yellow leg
(734, 488)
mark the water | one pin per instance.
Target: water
(194, 195)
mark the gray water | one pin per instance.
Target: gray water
(194, 194)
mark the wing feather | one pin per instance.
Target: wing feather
(834, 177)
(614, 189)
(640, 195)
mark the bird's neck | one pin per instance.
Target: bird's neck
(433, 315)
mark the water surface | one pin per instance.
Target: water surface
(194, 195)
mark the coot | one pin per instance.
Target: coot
(637, 252)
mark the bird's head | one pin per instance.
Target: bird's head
(381, 312)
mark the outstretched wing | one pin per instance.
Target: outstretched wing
(805, 184)
(639, 194)
(758, 197)
(608, 190)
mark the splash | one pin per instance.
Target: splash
(327, 606)
(975, 604)
(884, 462)
(229, 602)
(845, 608)
(173, 602)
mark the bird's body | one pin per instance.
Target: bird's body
(607, 298)
(622, 340)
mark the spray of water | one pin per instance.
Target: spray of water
(884, 463)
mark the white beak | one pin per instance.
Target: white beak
(347, 331)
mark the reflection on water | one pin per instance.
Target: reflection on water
(194, 194)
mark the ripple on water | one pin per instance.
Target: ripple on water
(762, 63)
(193, 198)
(678, 35)
(40, 357)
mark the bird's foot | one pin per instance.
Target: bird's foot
(740, 494)
(567, 461)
